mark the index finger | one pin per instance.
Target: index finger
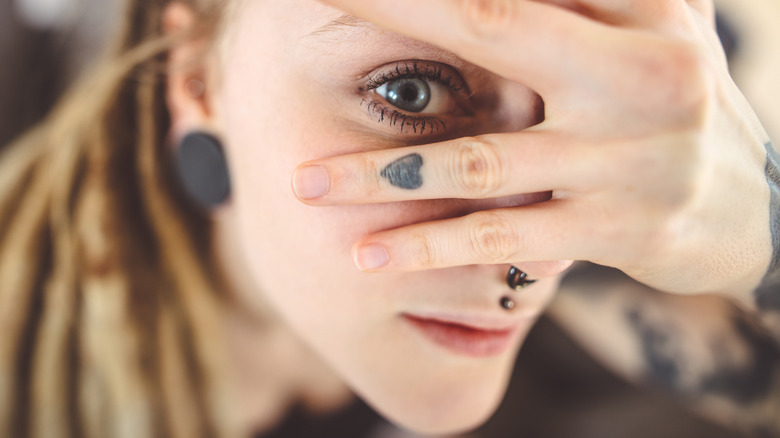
(549, 46)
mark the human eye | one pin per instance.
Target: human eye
(417, 97)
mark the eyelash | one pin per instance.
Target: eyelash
(419, 124)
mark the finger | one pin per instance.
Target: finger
(550, 46)
(546, 269)
(489, 166)
(539, 232)
(631, 13)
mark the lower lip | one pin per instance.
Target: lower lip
(464, 340)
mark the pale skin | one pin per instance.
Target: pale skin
(282, 89)
(647, 159)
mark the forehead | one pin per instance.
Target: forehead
(309, 24)
(343, 22)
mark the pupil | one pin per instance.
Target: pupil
(412, 95)
(409, 93)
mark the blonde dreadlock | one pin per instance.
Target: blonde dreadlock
(107, 289)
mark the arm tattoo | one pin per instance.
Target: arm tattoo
(744, 382)
(773, 179)
(719, 357)
(405, 172)
(768, 294)
(741, 370)
(658, 348)
(751, 382)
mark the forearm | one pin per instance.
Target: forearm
(705, 349)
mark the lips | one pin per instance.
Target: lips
(464, 339)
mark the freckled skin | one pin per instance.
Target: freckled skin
(405, 172)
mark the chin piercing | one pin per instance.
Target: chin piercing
(517, 279)
(507, 303)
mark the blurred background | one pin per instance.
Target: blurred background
(44, 44)
(557, 391)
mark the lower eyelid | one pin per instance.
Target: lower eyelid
(406, 123)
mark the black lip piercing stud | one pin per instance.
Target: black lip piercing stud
(517, 279)
(507, 303)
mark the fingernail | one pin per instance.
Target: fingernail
(372, 256)
(311, 182)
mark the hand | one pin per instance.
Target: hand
(655, 162)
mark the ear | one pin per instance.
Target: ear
(188, 82)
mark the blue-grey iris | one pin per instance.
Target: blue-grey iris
(410, 95)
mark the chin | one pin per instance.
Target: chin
(447, 410)
(446, 418)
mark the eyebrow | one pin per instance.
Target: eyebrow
(344, 21)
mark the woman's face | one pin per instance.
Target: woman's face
(299, 81)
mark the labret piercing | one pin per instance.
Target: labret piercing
(507, 303)
(516, 280)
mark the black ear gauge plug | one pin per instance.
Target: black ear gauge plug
(517, 279)
(203, 169)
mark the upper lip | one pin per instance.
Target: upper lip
(471, 321)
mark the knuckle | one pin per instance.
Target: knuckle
(485, 18)
(492, 237)
(424, 254)
(476, 167)
(679, 75)
(689, 78)
(666, 9)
